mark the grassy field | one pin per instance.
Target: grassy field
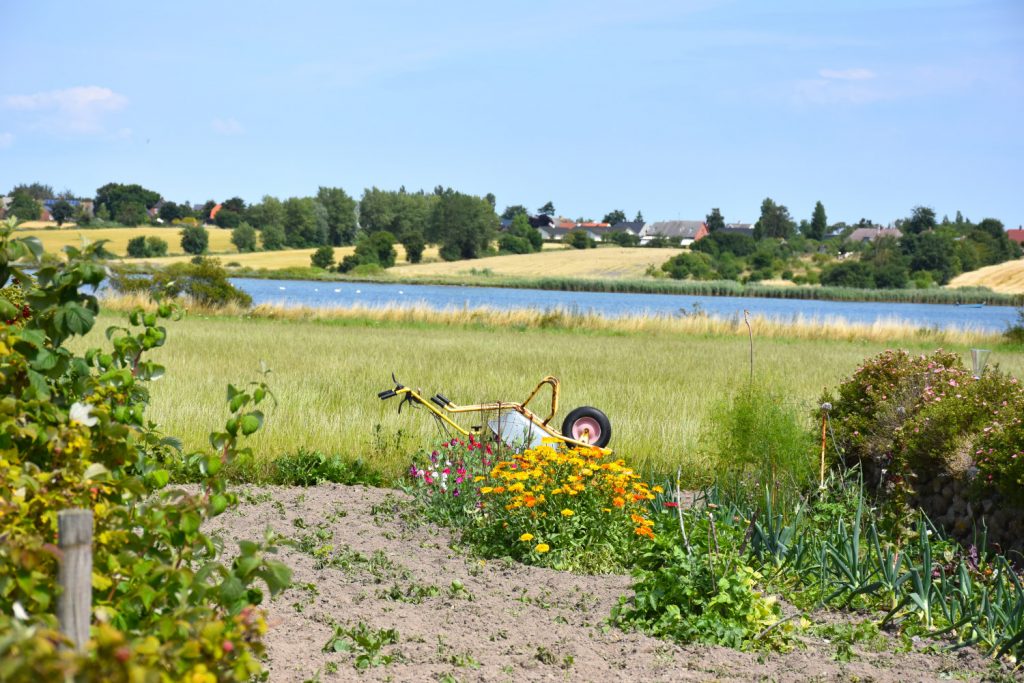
(55, 239)
(605, 262)
(1003, 277)
(287, 258)
(658, 385)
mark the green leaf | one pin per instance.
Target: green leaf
(251, 422)
(232, 590)
(71, 318)
(96, 472)
(218, 503)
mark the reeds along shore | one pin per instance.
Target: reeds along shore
(687, 323)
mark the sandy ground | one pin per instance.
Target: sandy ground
(363, 558)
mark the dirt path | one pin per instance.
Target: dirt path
(456, 616)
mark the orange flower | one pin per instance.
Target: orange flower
(618, 502)
(644, 531)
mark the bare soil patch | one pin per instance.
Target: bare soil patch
(493, 620)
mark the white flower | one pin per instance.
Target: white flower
(82, 414)
(19, 612)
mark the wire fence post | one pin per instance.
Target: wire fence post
(74, 609)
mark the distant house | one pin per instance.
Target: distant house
(85, 205)
(738, 229)
(629, 227)
(1016, 236)
(687, 232)
(873, 233)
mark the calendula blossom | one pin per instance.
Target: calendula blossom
(526, 537)
(542, 548)
(567, 513)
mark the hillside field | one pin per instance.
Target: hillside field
(603, 262)
(54, 239)
(1007, 278)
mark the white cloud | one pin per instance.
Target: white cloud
(856, 74)
(6, 140)
(72, 110)
(226, 126)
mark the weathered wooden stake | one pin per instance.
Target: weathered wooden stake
(74, 610)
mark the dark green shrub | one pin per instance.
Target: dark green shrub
(203, 280)
(689, 265)
(849, 274)
(323, 257)
(194, 239)
(155, 246)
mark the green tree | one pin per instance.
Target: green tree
(131, 214)
(115, 196)
(236, 204)
(270, 211)
(775, 221)
(819, 223)
(272, 237)
(714, 220)
(849, 274)
(614, 217)
(244, 237)
(511, 212)
(521, 237)
(227, 218)
(639, 217)
(323, 257)
(341, 215)
(82, 216)
(623, 239)
(462, 224)
(491, 199)
(301, 229)
(25, 207)
(548, 208)
(194, 239)
(414, 245)
(922, 219)
(934, 252)
(61, 211)
(37, 191)
(170, 212)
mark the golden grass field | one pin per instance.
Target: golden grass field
(55, 239)
(658, 380)
(603, 262)
(272, 260)
(1007, 278)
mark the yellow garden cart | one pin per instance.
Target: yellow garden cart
(513, 424)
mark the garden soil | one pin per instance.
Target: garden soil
(461, 618)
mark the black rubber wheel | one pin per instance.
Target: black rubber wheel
(587, 419)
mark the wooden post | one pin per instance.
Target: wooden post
(74, 610)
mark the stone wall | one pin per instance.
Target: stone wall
(953, 506)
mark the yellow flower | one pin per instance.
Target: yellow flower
(567, 513)
(542, 548)
(658, 489)
(517, 487)
(526, 537)
(486, 489)
(479, 478)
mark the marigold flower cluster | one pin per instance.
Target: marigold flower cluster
(568, 485)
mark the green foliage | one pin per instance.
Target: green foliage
(720, 243)
(194, 239)
(73, 434)
(61, 211)
(848, 274)
(701, 598)
(341, 215)
(414, 245)
(203, 281)
(301, 227)
(24, 207)
(714, 220)
(757, 438)
(308, 468)
(323, 257)
(521, 237)
(125, 203)
(272, 237)
(365, 643)
(511, 212)
(146, 247)
(228, 218)
(372, 249)
(818, 226)
(464, 225)
(623, 239)
(244, 238)
(690, 266)
(775, 221)
(614, 217)
(579, 239)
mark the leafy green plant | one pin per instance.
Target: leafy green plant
(73, 434)
(365, 643)
(308, 468)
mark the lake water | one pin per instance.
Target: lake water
(344, 294)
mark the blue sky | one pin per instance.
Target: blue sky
(673, 108)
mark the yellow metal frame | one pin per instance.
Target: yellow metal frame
(498, 406)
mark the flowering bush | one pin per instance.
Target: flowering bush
(901, 416)
(446, 480)
(573, 510)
